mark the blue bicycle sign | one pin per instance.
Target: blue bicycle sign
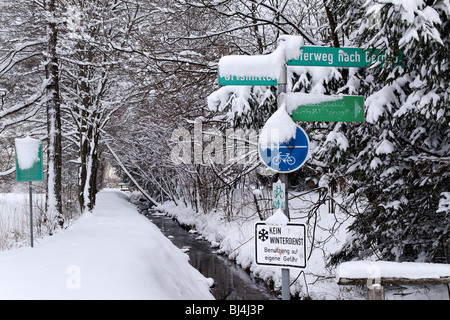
(288, 156)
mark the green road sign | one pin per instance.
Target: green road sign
(246, 81)
(343, 109)
(337, 57)
(278, 196)
(35, 173)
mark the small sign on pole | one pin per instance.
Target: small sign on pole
(29, 164)
(337, 57)
(280, 245)
(246, 81)
(343, 109)
(288, 156)
(278, 196)
(29, 167)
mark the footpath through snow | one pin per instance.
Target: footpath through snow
(113, 253)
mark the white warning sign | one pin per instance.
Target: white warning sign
(280, 245)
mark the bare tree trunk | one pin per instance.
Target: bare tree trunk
(333, 25)
(54, 176)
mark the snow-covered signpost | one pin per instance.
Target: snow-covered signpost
(29, 168)
(280, 131)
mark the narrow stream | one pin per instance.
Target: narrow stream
(231, 282)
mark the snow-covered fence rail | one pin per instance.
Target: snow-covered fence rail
(376, 274)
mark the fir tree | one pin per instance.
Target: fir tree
(399, 169)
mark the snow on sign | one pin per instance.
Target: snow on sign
(29, 165)
(280, 245)
(259, 70)
(248, 70)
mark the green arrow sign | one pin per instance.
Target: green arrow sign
(337, 57)
(343, 109)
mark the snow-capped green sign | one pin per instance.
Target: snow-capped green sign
(343, 109)
(29, 161)
(337, 57)
(258, 70)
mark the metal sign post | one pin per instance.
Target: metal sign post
(291, 155)
(285, 275)
(31, 213)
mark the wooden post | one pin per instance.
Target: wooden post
(375, 289)
(375, 292)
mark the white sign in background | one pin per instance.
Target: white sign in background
(280, 245)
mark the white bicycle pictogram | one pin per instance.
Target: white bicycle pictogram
(286, 158)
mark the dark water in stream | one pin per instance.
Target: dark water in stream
(231, 282)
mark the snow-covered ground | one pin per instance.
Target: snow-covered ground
(326, 234)
(15, 218)
(116, 253)
(235, 239)
(113, 253)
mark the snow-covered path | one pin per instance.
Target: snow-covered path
(113, 253)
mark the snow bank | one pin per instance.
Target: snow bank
(386, 269)
(27, 150)
(112, 253)
(235, 238)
